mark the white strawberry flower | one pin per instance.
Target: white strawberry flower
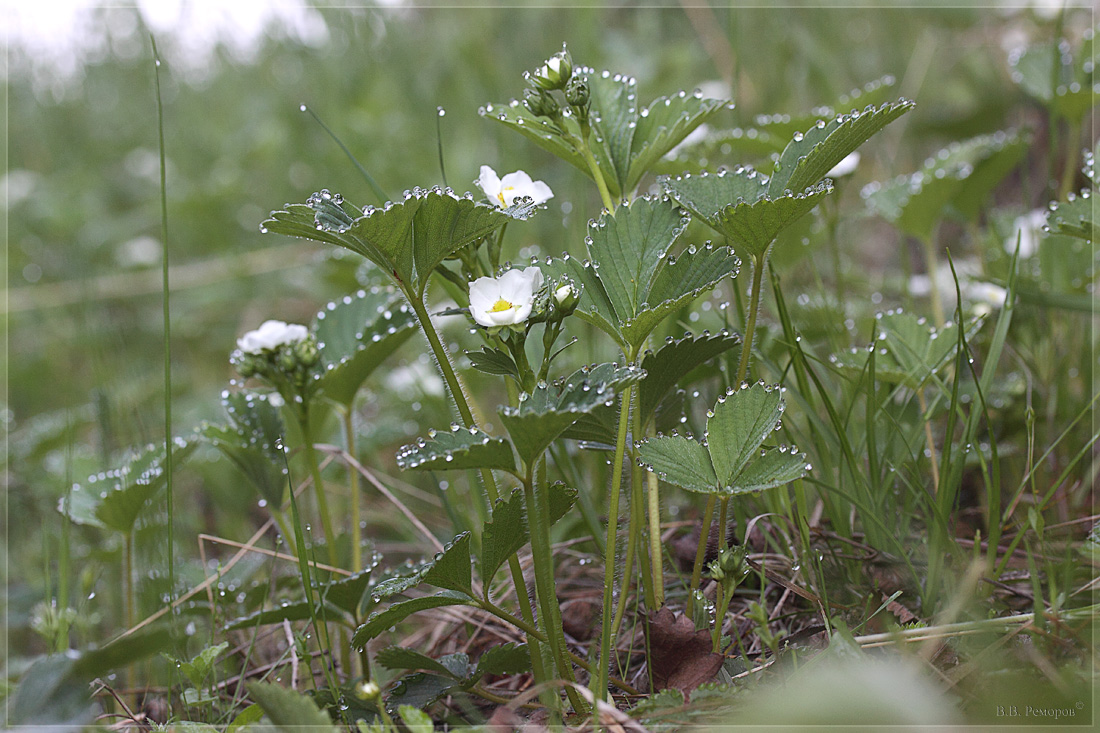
(271, 335)
(506, 300)
(1029, 227)
(506, 190)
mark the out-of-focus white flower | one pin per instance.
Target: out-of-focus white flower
(980, 297)
(715, 89)
(271, 335)
(506, 190)
(505, 300)
(140, 251)
(984, 297)
(698, 135)
(846, 166)
(1029, 227)
(413, 380)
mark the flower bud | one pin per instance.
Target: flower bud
(729, 566)
(540, 103)
(307, 352)
(566, 297)
(577, 92)
(247, 365)
(287, 360)
(368, 690)
(554, 73)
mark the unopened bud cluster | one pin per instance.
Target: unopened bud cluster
(279, 353)
(729, 566)
(556, 75)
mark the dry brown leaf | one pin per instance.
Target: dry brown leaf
(681, 657)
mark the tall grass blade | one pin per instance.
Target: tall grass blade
(167, 324)
(378, 192)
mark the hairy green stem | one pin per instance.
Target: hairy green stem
(632, 532)
(656, 552)
(443, 360)
(319, 488)
(542, 556)
(594, 167)
(758, 265)
(701, 552)
(353, 486)
(607, 637)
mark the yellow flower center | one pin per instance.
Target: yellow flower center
(501, 197)
(501, 305)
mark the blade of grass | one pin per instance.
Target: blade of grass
(166, 314)
(439, 114)
(378, 192)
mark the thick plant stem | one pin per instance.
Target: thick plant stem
(633, 530)
(443, 359)
(607, 637)
(594, 167)
(538, 520)
(353, 486)
(638, 498)
(758, 265)
(656, 552)
(700, 553)
(319, 490)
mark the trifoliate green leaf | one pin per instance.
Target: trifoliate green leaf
(958, 177)
(731, 460)
(546, 412)
(408, 239)
(114, 499)
(909, 351)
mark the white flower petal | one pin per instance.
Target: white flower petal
(271, 335)
(506, 300)
(489, 183)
